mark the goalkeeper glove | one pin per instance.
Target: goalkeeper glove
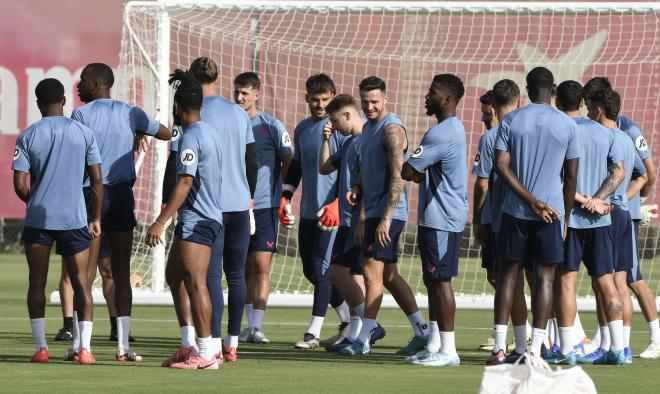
(285, 213)
(329, 216)
(649, 212)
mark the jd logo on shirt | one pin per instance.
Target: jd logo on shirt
(477, 158)
(16, 153)
(286, 140)
(176, 132)
(188, 157)
(641, 144)
(419, 151)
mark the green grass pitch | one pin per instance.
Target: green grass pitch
(276, 367)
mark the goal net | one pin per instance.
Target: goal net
(404, 43)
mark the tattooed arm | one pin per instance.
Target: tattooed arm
(609, 185)
(395, 142)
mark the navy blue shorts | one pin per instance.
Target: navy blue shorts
(202, 232)
(388, 253)
(345, 253)
(623, 240)
(439, 251)
(530, 241)
(635, 273)
(265, 235)
(594, 246)
(118, 212)
(68, 242)
(488, 251)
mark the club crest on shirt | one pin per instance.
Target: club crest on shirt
(640, 143)
(286, 140)
(17, 154)
(418, 152)
(188, 157)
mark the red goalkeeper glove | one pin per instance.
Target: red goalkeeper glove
(329, 216)
(285, 213)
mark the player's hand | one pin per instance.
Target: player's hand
(253, 224)
(649, 212)
(544, 211)
(94, 228)
(154, 234)
(354, 195)
(285, 213)
(479, 233)
(140, 143)
(383, 232)
(358, 237)
(329, 216)
(418, 177)
(327, 131)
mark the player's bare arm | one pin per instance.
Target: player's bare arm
(20, 185)
(543, 210)
(636, 184)
(651, 176)
(96, 182)
(570, 186)
(408, 173)
(179, 194)
(325, 160)
(479, 198)
(613, 180)
(395, 143)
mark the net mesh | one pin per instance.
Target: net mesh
(405, 45)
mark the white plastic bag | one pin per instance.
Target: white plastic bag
(534, 376)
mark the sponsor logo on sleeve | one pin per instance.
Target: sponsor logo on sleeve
(286, 140)
(640, 144)
(418, 152)
(188, 157)
(17, 154)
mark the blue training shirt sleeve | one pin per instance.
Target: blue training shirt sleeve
(296, 151)
(428, 153)
(143, 123)
(21, 159)
(502, 141)
(93, 155)
(282, 139)
(77, 115)
(189, 147)
(573, 149)
(638, 166)
(483, 162)
(615, 154)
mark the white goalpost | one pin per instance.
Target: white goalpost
(403, 42)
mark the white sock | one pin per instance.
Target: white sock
(448, 343)
(418, 324)
(205, 351)
(343, 312)
(257, 318)
(433, 344)
(550, 328)
(555, 332)
(248, 314)
(566, 339)
(626, 336)
(85, 328)
(123, 329)
(537, 340)
(520, 339)
(231, 341)
(39, 333)
(616, 334)
(528, 329)
(596, 338)
(187, 336)
(546, 342)
(499, 333)
(365, 332)
(315, 326)
(216, 345)
(605, 338)
(75, 345)
(356, 325)
(360, 310)
(578, 330)
(654, 331)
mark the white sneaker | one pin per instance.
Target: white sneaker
(258, 336)
(245, 336)
(651, 352)
(489, 344)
